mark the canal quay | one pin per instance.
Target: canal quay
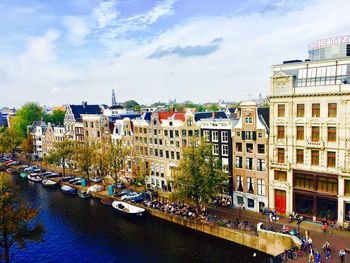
(85, 230)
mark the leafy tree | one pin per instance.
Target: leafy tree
(61, 152)
(15, 220)
(156, 104)
(137, 108)
(115, 159)
(213, 107)
(200, 108)
(56, 117)
(130, 104)
(9, 140)
(199, 177)
(27, 146)
(25, 116)
(141, 172)
(84, 157)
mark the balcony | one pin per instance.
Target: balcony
(318, 145)
(277, 165)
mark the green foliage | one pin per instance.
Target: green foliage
(9, 140)
(137, 108)
(56, 117)
(156, 104)
(130, 104)
(61, 152)
(213, 107)
(25, 116)
(16, 216)
(141, 172)
(84, 156)
(199, 176)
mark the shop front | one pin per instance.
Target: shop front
(315, 195)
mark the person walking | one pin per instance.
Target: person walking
(311, 255)
(317, 257)
(327, 249)
(342, 255)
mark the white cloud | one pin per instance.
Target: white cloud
(105, 13)
(78, 29)
(28, 10)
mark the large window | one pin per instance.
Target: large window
(281, 110)
(347, 187)
(347, 211)
(224, 150)
(239, 183)
(261, 165)
(332, 134)
(300, 132)
(332, 110)
(315, 157)
(320, 76)
(315, 133)
(281, 176)
(261, 187)
(330, 159)
(316, 110)
(249, 148)
(261, 148)
(329, 185)
(250, 163)
(238, 147)
(215, 149)
(300, 156)
(224, 136)
(239, 162)
(214, 136)
(250, 185)
(304, 181)
(280, 155)
(206, 135)
(300, 110)
(280, 132)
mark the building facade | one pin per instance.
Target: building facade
(309, 140)
(250, 158)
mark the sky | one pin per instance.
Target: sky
(68, 51)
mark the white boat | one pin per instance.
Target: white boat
(34, 177)
(128, 209)
(68, 189)
(49, 183)
(83, 194)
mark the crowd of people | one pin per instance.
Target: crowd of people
(222, 201)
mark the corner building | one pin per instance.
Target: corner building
(309, 145)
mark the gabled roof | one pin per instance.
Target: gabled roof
(208, 114)
(123, 116)
(178, 116)
(84, 109)
(164, 115)
(232, 110)
(264, 116)
(37, 124)
(146, 116)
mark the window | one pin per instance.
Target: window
(315, 157)
(281, 110)
(176, 133)
(249, 135)
(177, 155)
(304, 181)
(225, 168)
(300, 110)
(184, 134)
(315, 110)
(248, 120)
(251, 203)
(332, 110)
(280, 155)
(224, 150)
(261, 187)
(154, 131)
(315, 133)
(249, 148)
(240, 200)
(281, 176)
(239, 183)
(330, 159)
(167, 154)
(332, 134)
(260, 135)
(347, 188)
(206, 135)
(214, 135)
(261, 148)
(239, 162)
(326, 184)
(250, 184)
(250, 163)
(171, 134)
(300, 156)
(238, 147)
(300, 132)
(215, 149)
(172, 154)
(224, 136)
(280, 132)
(261, 165)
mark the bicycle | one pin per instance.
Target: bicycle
(326, 231)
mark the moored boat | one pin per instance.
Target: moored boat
(83, 194)
(35, 177)
(23, 175)
(128, 209)
(107, 201)
(68, 189)
(49, 183)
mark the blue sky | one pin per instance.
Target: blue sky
(66, 51)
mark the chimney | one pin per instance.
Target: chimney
(213, 114)
(84, 103)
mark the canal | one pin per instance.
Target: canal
(84, 230)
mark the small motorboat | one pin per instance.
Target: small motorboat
(68, 189)
(49, 183)
(23, 175)
(128, 209)
(35, 177)
(83, 194)
(66, 178)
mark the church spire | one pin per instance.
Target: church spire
(114, 102)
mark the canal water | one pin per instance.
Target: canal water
(85, 230)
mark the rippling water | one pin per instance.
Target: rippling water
(84, 230)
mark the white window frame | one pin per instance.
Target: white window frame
(224, 150)
(215, 136)
(224, 136)
(261, 187)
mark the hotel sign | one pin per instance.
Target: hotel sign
(329, 41)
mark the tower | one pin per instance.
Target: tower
(113, 98)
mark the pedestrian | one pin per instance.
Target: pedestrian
(342, 255)
(327, 249)
(307, 234)
(311, 255)
(309, 241)
(317, 257)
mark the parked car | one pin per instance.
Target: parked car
(139, 198)
(95, 188)
(11, 171)
(120, 185)
(129, 196)
(14, 163)
(123, 192)
(150, 194)
(8, 162)
(96, 179)
(30, 168)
